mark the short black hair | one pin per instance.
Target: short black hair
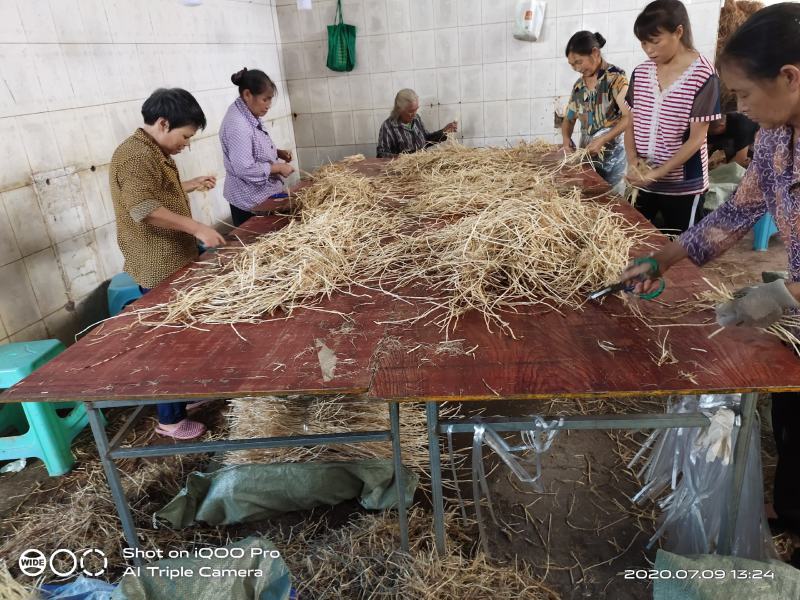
(767, 41)
(663, 16)
(177, 106)
(584, 42)
(254, 80)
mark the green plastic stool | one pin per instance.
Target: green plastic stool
(40, 431)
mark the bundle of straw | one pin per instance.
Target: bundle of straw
(275, 417)
(11, 589)
(361, 560)
(79, 512)
(786, 329)
(732, 15)
(489, 229)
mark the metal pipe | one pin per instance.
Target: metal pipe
(432, 417)
(112, 475)
(327, 439)
(397, 456)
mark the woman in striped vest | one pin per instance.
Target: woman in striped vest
(673, 97)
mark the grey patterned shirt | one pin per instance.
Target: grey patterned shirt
(396, 138)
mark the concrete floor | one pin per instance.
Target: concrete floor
(591, 538)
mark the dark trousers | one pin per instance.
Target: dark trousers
(786, 428)
(171, 412)
(239, 216)
(676, 212)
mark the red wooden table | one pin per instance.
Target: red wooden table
(554, 355)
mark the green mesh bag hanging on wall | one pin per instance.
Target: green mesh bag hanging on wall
(341, 43)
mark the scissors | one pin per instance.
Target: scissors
(628, 287)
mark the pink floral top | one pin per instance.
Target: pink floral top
(771, 184)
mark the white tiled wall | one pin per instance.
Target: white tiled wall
(74, 75)
(460, 57)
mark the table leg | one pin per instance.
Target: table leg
(748, 410)
(112, 475)
(432, 414)
(397, 454)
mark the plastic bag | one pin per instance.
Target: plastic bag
(693, 492)
(528, 20)
(341, 43)
(82, 588)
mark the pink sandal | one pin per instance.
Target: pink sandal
(186, 430)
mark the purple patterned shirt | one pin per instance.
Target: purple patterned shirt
(248, 154)
(771, 184)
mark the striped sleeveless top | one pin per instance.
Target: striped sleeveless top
(661, 121)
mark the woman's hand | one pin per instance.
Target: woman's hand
(595, 147)
(210, 237)
(567, 149)
(200, 184)
(285, 155)
(645, 179)
(643, 277)
(282, 169)
(451, 127)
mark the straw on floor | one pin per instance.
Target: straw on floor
(362, 560)
(276, 417)
(455, 228)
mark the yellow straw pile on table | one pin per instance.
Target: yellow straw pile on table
(453, 229)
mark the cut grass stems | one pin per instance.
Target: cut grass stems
(453, 229)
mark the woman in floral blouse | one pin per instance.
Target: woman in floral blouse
(761, 64)
(597, 101)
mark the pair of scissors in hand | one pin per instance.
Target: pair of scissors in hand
(627, 286)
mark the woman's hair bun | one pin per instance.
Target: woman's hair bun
(601, 41)
(236, 78)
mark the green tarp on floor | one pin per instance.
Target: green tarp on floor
(253, 492)
(712, 577)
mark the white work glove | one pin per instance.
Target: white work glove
(757, 306)
(716, 439)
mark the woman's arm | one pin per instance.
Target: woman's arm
(385, 147)
(166, 219)
(630, 141)
(620, 126)
(567, 128)
(698, 132)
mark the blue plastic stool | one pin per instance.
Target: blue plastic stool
(121, 291)
(41, 432)
(764, 229)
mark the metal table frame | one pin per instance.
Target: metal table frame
(110, 451)
(747, 412)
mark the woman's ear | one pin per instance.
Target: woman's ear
(679, 32)
(791, 74)
(163, 124)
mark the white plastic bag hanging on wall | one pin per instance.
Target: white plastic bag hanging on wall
(528, 20)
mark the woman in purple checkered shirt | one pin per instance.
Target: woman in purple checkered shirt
(252, 167)
(761, 64)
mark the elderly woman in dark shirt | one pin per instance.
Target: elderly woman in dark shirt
(404, 132)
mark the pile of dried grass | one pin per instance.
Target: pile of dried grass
(732, 15)
(361, 560)
(11, 589)
(77, 511)
(455, 229)
(274, 417)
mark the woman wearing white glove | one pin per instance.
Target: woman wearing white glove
(761, 64)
